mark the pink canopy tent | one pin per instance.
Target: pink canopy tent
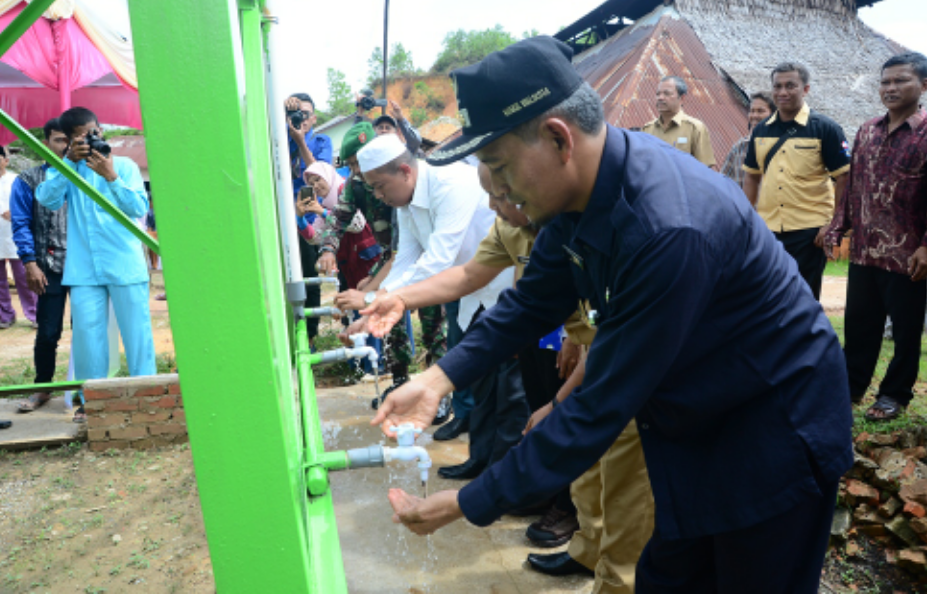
(70, 57)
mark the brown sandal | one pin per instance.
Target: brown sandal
(34, 402)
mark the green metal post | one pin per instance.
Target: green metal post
(53, 160)
(22, 22)
(202, 88)
(49, 387)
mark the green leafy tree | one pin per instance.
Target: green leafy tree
(462, 48)
(340, 96)
(400, 61)
(400, 64)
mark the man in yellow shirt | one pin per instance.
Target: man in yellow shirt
(791, 160)
(675, 127)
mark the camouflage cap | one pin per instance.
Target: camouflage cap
(355, 138)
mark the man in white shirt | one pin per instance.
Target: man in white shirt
(443, 215)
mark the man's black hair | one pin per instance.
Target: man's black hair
(766, 97)
(784, 67)
(2, 154)
(917, 61)
(75, 118)
(304, 97)
(52, 125)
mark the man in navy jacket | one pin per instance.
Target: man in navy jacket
(707, 335)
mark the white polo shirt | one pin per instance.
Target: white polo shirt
(442, 227)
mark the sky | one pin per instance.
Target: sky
(343, 33)
(318, 34)
(905, 21)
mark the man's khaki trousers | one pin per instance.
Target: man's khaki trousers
(615, 508)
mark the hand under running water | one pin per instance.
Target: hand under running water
(424, 516)
(414, 402)
(384, 313)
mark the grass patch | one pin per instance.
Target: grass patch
(917, 411)
(20, 372)
(837, 268)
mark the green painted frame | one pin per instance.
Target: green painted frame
(204, 88)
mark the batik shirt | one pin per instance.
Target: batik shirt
(885, 203)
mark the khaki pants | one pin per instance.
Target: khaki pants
(615, 508)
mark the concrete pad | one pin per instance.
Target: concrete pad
(50, 425)
(384, 558)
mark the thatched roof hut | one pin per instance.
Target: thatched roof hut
(726, 49)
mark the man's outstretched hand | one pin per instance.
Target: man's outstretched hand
(424, 516)
(414, 402)
(384, 313)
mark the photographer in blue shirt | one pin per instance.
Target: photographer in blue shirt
(104, 261)
(306, 147)
(707, 336)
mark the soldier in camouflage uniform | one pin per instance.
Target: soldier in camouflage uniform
(358, 197)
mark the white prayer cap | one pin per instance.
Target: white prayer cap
(380, 151)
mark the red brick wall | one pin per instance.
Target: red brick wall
(136, 412)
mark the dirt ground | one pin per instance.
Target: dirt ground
(75, 521)
(16, 343)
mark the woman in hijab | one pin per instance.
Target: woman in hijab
(317, 199)
(358, 250)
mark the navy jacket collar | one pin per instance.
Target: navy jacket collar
(595, 226)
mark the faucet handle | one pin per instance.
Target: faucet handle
(359, 339)
(406, 433)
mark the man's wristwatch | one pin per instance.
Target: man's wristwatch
(369, 297)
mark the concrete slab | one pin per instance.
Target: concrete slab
(384, 558)
(50, 425)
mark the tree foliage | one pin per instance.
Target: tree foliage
(340, 96)
(462, 48)
(400, 64)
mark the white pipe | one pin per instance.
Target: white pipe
(286, 209)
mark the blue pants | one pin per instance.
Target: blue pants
(463, 399)
(90, 312)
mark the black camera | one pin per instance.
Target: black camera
(296, 117)
(97, 144)
(367, 102)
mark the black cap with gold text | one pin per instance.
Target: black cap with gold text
(508, 88)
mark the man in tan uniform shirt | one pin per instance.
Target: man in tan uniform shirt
(675, 127)
(606, 546)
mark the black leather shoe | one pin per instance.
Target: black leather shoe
(452, 429)
(444, 412)
(468, 470)
(532, 509)
(558, 564)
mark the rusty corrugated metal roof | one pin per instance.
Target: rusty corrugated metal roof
(626, 69)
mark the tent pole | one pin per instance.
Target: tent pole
(64, 80)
